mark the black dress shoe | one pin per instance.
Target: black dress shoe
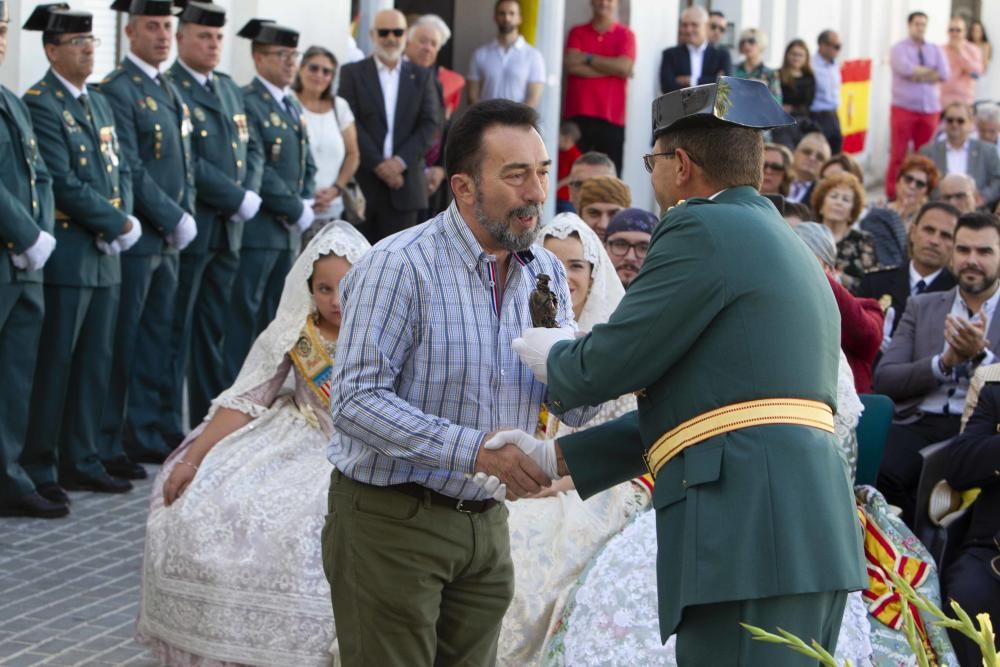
(103, 484)
(148, 456)
(35, 506)
(124, 468)
(53, 493)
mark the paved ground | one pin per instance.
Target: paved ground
(69, 588)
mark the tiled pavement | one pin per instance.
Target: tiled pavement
(69, 588)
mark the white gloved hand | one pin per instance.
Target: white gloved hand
(185, 232)
(249, 207)
(534, 344)
(107, 248)
(542, 452)
(308, 215)
(35, 257)
(20, 262)
(129, 238)
(890, 318)
(492, 485)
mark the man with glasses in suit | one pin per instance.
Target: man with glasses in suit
(959, 153)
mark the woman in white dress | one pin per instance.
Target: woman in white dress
(333, 139)
(552, 537)
(232, 571)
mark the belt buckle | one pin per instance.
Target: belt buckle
(460, 506)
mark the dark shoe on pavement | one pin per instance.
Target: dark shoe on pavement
(103, 484)
(35, 506)
(148, 456)
(53, 493)
(124, 468)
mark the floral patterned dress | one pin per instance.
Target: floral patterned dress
(855, 256)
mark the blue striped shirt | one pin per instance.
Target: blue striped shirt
(424, 367)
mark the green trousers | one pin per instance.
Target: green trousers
(21, 316)
(710, 635)
(413, 583)
(71, 382)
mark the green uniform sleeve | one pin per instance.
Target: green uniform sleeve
(309, 182)
(215, 188)
(17, 227)
(255, 158)
(609, 454)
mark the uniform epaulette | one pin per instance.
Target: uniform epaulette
(881, 269)
(221, 74)
(115, 73)
(32, 92)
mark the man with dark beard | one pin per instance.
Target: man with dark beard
(417, 554)
(941, 341)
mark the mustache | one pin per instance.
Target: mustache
(629, 265)
(528, 210)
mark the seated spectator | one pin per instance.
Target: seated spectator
(628, 236)
(860, 319)
(507, 67)
(917, 178)
(838, 201)
(796, 212)
(592, 164)
(988, 123)
(798, 89)
(569, 134)
(959, 190)
(694, 61)
(973, 576)
(753, 43)
(941, 340)
(809, 156)
(777, 179)
(960, 153)
(839, 163)
(931, 239)
(602, 198)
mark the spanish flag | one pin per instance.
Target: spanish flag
(855, 94)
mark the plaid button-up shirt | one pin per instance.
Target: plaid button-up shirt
(424, 367)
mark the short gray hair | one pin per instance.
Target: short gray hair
(989, 112)
(432, 21)
(698, 11)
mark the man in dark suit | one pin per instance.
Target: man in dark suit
(941, 340)
(931, 240)
(695, 60)
(973, 576)
(396, 112)
(959, 153)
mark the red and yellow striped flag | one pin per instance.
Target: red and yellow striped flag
(855, 93)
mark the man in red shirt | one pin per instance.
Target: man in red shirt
(599, 58)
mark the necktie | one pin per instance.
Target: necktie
(920, 287)
(209, 86)
(84, 101)
(290, 106)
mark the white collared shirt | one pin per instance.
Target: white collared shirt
(958, 158)
(388, 79)
(697, 54)
(277, 93)
(73, 90)
(506, 72)
(915, 278)
(949, 397)
(203, 79)
(151, 71)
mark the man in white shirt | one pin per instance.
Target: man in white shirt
(695, 61)
(959, 153)
(507, 67)
(942, 339)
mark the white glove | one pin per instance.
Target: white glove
(185, 232)
(491, 485)
(306, 219)
(534, 344)
(890, 318)
(542, 452)
(129, 238)
(35, 257)
(107, 248)
(248, 207)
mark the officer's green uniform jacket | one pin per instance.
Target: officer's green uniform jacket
(154, 128)
(223, 153)
(92, 184)
(288, 170)
(729, 306)
(25, 189)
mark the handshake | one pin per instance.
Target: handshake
(512, 464)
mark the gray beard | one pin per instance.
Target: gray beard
(500, 230)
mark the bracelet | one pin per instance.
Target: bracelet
(188, 463)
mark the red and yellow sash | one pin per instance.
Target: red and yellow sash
(315, 365)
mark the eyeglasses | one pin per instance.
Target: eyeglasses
(836, 46)
(955, 30)
(916, 182)
(748, 40)
(81, 40)
(718, 27)
(620, 248)
(649, 159)
(956, 120)
(774, 166)
(285, 54)
(395, 32)
(316, 69)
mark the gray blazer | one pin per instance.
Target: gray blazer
(904, 373)
(984, 165)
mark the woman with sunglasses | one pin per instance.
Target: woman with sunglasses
(333, 139)
(917, 178)
(778, 172)
(965, 66)
(753, 43)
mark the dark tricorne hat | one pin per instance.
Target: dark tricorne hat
(731, 101)
(58, 18)
(202, 13)
(266, 31)
(144, 7)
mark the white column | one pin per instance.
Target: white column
(369, 8)
(989, 88)
(549, 40)
(654, 23)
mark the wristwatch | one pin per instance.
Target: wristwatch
(979, 358)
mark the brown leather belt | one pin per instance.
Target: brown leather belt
(422, 492)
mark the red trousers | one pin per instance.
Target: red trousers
(906, 126)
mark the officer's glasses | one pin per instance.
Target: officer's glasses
(81, 41)
(285, 54)
(649, 159)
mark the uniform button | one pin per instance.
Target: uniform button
(110, 168)
(204, 133)
(239, 163)
(684, 483)
(83, 162)
(234, 145)
(10, 244)
(83, 149)
(65, 225)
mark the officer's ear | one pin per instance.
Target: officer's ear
(685, 166)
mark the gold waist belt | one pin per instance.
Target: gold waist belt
(59, 215)
(734, 417)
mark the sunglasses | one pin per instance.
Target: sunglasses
(956, 120)
(620, 248)
(749, 40)
(955, 30)
(916, 182)
(718, 27)
(774, 166)
(318, 69)
(395, 32)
